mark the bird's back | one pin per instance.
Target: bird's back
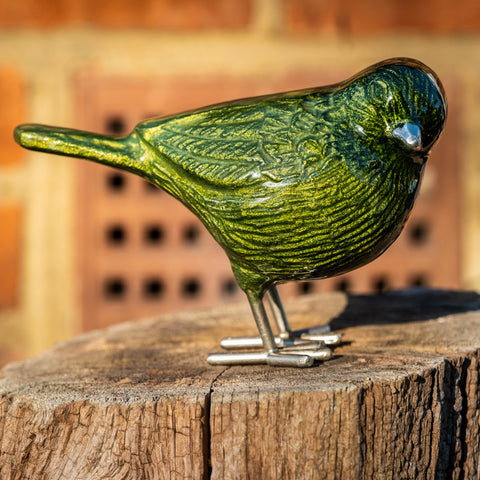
(243, 143)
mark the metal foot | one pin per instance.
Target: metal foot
(288, 349)
(295, 338)
(254, 358)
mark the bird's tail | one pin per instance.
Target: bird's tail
(124, 153)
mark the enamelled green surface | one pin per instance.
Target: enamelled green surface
(298, 185)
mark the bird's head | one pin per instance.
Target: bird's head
(396, 106)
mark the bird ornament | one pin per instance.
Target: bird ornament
(300, 185)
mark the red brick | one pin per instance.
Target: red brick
(11, 114)
(165, 14)
(10, 244)
(379, 16)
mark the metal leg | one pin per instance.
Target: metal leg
(276, 351)
(278, 311)
(270, 355)
(263, 325)
(315, 334)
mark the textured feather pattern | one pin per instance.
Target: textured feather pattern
(299, 185)
(303, 186)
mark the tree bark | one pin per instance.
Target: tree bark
(400, 398)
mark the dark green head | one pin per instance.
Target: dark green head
(398, 105)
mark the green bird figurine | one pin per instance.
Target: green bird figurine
(300, 185)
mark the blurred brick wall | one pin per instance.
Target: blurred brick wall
(156, 14)
(45, 45)
(12, 101)
(350, 17)
(294, 16)
(12, 95)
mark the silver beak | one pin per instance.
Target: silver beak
(409, 133)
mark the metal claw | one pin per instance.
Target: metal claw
(331, 338)
(294, 338)
(277, 359)
(232, 343)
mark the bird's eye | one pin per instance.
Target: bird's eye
(378, 90)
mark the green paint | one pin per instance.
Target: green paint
(294, 186)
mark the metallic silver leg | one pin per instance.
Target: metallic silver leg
(283, 349)
(271, 354)
(264, 329)
(278, 311)
(315, 334)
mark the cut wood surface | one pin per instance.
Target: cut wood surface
(400, 398)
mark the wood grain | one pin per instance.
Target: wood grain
(400, 399)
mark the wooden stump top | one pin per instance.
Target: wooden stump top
(400, 398)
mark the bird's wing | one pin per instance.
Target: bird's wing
(240, 144)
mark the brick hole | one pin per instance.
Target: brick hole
(153, 234)
(229, 287)
(116, 182)
(115, 288)
(191, 288)
(343, 285)
(418, 280)
(305, 287)
(153, 288)
(380, 284)
(419, 233)
(151, 188)
(116, 235)
(191, 234)
(115, 125)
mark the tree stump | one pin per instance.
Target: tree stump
(400, 398)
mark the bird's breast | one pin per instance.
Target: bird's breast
(310, 230)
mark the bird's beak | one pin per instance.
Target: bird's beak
(410, 134)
